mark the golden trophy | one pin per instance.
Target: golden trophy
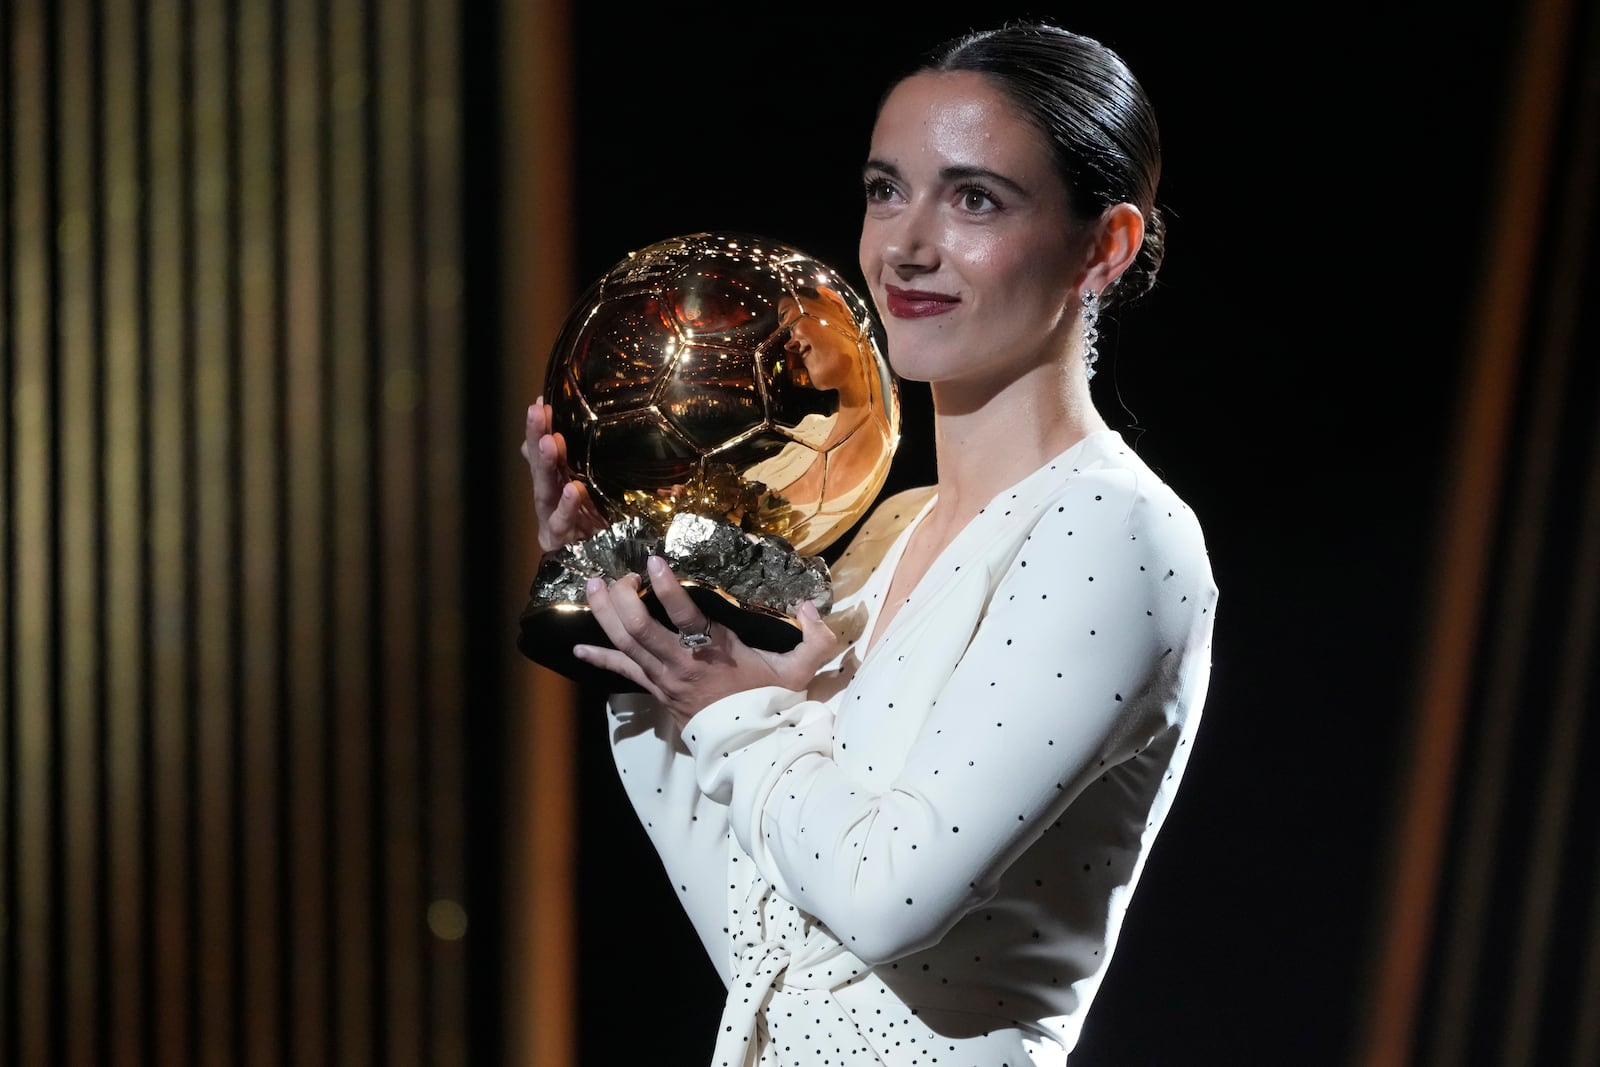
(725, 399)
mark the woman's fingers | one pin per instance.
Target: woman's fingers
(535, 429)
(685, 679)
(628, 624)
(624, 657)
(687, 616)
(586, 518)
(611, 660)
(540, 450)
(575, 517)
(564, 511)
(797, 667)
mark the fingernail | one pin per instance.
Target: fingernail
(581, 651)
(593, 585)
(657, 565)
(530, 412)
(809, 610)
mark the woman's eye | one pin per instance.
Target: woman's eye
(977, 199)
(878, 189)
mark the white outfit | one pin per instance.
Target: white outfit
(927, 857)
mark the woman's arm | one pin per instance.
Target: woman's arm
(1094, 642)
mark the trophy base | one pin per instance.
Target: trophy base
(549, 630)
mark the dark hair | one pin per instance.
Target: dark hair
(1095, 116)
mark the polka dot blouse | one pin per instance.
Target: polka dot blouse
(926, 858)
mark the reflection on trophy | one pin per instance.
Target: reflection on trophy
(726, 401)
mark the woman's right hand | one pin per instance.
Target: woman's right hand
(562, 506)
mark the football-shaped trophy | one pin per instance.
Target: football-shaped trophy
(725, 399)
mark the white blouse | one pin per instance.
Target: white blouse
(926, 858)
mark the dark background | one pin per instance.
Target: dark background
(1294, 376)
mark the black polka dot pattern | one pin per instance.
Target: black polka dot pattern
(930, 864)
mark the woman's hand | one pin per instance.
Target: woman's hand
(687, 679)
(564, 510)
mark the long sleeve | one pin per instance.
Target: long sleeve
(1026, 670)
(688, 829)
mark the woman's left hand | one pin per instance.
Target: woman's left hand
(687, 679)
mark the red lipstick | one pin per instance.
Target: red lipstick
(917, 303)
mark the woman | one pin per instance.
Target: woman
(914, 842)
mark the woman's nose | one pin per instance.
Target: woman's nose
(910, 247)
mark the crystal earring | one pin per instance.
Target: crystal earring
(1091, 332)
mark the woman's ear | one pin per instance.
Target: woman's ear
(1115, 242)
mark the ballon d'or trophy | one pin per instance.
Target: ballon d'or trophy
(725, 399)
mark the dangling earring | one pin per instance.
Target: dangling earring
(1091, 333)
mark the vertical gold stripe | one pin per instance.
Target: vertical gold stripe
(1467, 527)
(78, 474)
(399, 388)
(8, 716)
(1565, 305)
(353, 538)
(9, 264)
(76, 486)
(445, 830)
(214, 564)
(540, 972)
(1472, 883)
(169, 503)
(8, 757)
(261, 603)
(310, 926)
(31, 219)
(1521, 562)
(124, 444)
(1527, 1007)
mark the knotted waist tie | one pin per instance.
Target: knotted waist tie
(789, 1005)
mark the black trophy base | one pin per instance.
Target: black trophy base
(549, 631)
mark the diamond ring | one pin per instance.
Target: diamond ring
(696, 641)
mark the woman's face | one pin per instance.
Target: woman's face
(829, 357)
(968, 246)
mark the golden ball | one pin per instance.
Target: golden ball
(731, 376)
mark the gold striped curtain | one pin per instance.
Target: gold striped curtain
(233, 645)
(1488, 946)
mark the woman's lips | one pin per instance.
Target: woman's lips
(917, 303)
